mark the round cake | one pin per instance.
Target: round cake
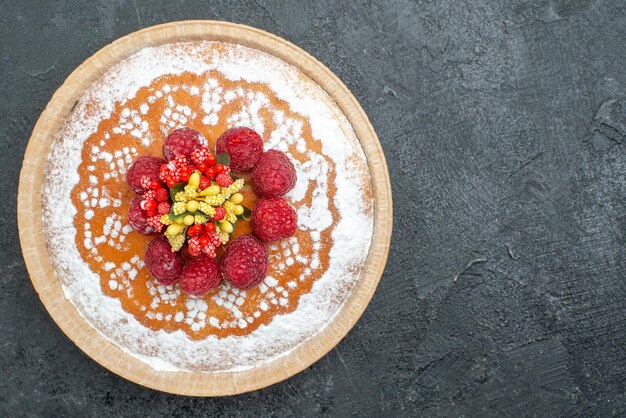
(98, 257)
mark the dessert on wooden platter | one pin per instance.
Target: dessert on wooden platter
(210, 214)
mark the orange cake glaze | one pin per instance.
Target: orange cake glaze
(210, 87)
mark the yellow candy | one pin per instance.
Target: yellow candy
(226, 226)
(194, 180)
(179, 221)
(210, 191)
(237, 198)
(192, 206)
(174, 229)
(238, 210)
(188, 220)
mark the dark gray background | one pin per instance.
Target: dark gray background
(504, 126)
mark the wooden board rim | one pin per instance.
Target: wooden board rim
(39, 264)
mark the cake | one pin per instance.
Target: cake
(98, 257)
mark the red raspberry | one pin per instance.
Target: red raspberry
(162, 195)
(138, 219)
(204, 182)
(165, 265)
(143, 166)
(243, 145)
(181, 141)
(220, 213)
(200, 275)
(273, 219)
(164, 208)
(244, 262)
(224, 180)
(274, 175)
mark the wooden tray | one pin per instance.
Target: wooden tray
(40, 266)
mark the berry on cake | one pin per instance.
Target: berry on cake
(194, 199)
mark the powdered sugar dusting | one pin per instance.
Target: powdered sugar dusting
(351, 234)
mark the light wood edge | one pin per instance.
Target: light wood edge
(42, 271)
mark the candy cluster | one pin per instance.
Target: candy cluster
(206, 202)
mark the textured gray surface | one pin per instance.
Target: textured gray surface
(504, 126)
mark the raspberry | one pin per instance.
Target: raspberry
(138, 219)
(220, 213)
(181, 141)
(200, 275)
(224, 180)
(164, 208)
(244, 262)
(273, 219)
(161, 195)
(243, 145)
(274, 175)
(143, 166)
(164, 264)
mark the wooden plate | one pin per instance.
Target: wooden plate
(40, 265)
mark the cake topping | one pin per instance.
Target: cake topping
(201, 203)
(244, 263)
(164, 264)
(200, 275)
(274, 175)
(146, 168)
(273, 219)
(243, 145)
(182, 141)
(138, 219)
